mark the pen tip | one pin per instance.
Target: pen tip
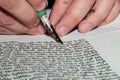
(61, 42)
(55, 36)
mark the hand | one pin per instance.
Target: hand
(19, 16)
(86, 14)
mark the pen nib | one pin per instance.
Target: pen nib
(55, 36)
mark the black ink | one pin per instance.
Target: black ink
(75, 60)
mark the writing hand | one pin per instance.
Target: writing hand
(19, 16)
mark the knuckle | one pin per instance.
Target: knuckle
(96, 19)
(99, 17)
(72, 21)
(75, 19)
(8, 4)
(6, 20)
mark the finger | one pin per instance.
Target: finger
(5, 18)
(36, 31)
(59, 8)
(21, 10)
(102, 9)
(38, 4)
(113, 14)
(11, 24)
(75, 13)
(7, 21)
(4, 31)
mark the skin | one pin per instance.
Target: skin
(19, 16)
(85, 14)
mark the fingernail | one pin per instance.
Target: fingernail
(42, 5)
(86, 27)
(62, 30)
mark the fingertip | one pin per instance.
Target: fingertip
(42, 5)
(53, 18)
(85, 27)
(38, 5)
(59, 9)
(56, 15)
(62, 30)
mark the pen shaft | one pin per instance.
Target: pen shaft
(47, 24)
